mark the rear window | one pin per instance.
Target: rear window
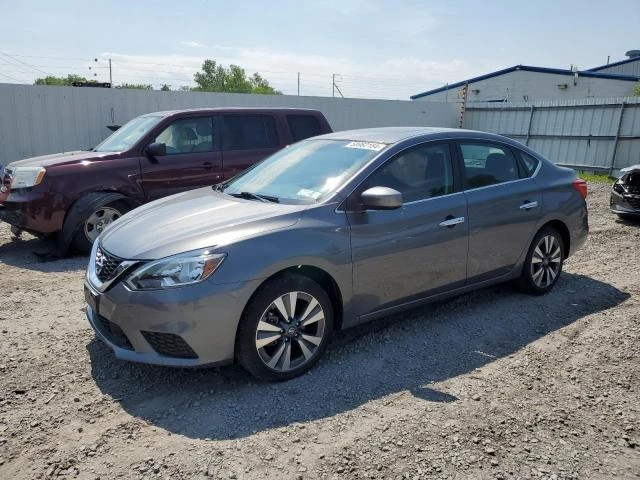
(245, 132)
(303, 126)
(530, 163)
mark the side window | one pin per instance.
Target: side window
(419, 173)
(303, 126)
(188, 135)
(529, 163)
(245, 132)
(488, 164)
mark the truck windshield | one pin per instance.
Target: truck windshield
(128, 135)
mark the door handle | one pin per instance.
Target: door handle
(528, 205)
(207, 165)
(451, 221)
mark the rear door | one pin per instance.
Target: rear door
(246, 139)
(504, 207)
(419, 249)
(193, 158)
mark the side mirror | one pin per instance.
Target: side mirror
(156, 149)
(381, 198)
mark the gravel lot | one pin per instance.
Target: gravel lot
(494, 384)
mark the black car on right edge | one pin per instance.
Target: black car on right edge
(625, 193)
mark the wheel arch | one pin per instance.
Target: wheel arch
(318, 275)
(87, 200)
(560, 227)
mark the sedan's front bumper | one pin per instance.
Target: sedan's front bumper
(624, 204)
(183, 327)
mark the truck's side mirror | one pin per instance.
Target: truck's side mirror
(156, 149)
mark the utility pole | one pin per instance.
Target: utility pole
(335, 87)
(110, 73)
(298, 83)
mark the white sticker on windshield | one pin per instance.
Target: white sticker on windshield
(303, 192)
(376, 147)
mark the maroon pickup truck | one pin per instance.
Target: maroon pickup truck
(77, 194)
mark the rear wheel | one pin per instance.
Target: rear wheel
(285, 328)
(544, 261)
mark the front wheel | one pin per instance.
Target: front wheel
(544, 261)
(88, 217)
(285, 328)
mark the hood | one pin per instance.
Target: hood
(192, 220)
(632, 168)
(62, 159)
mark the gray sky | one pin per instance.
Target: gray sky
(381, 49)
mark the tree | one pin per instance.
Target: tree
(216, 78)
(166, 88)
(137, 86)
(636, 90)
(51, 80)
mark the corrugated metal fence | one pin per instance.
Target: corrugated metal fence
(37, 120)
(597, 134)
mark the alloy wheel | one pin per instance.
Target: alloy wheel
(546, 261)
(290, 331)
(98, 221)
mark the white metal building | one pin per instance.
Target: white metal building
(522, 83)
(630, 66)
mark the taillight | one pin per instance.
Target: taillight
(581, 186)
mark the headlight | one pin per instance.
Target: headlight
(25, 177)
(617, 187)
(176, 271)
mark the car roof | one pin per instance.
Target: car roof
(166, 113)
(391, 135)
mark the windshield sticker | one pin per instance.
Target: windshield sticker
(376, 147)
(303, 192)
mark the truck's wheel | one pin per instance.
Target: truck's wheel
(88, 217)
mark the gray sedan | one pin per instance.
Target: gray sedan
(328, 233)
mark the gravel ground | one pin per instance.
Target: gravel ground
(494, 384)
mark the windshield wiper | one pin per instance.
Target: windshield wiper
(255, 196)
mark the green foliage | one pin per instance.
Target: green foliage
(165, 88)
(68, 80)
(136, 86)
(596, 177)
(636, 90)
(216, 78)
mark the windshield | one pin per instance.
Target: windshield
(306, 172)
(128, 135)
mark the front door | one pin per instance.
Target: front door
(419, 249)
(193, 159)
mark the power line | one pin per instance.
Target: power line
(24, 63)
(10, 77)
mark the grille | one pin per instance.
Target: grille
(114, 333)
(169, 345)
(634, 202)
(635, 189)
(106, 265)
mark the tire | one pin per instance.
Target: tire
(274, 345)
(88, 217)
(543, 264)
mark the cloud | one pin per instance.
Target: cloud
(393, 78)
(191, 43)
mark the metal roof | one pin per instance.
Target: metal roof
(614, 64)
(526, 68)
